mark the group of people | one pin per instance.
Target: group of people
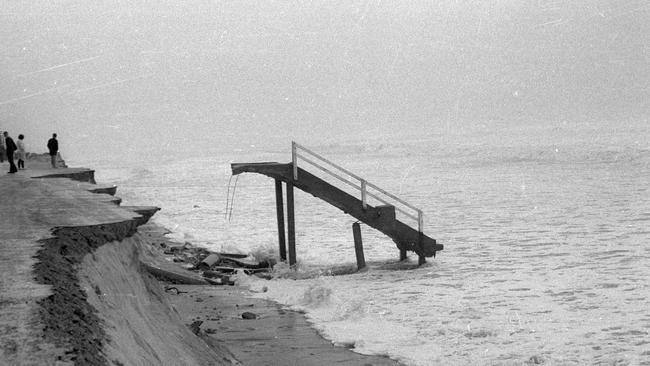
(16, 151)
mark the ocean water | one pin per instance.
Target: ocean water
(546, 228)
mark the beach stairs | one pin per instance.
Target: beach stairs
(380, 217)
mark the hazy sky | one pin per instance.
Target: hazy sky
(139, 75)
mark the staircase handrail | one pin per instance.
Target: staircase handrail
(362, 186)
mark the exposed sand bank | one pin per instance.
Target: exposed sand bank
(49, 227)
(43, 319)
(75, 289)
(141, 325)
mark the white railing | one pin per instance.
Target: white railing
(299, 151)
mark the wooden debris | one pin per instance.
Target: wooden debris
(214, 268)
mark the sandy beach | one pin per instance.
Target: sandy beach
(76, 290)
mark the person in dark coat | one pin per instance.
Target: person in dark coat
(53, 146)
(11, 147)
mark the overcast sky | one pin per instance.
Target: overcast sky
(140, 71)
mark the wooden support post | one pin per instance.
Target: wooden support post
(291, 225)
(421, 259)
(358, 246)
(279, 206)
(402, 254)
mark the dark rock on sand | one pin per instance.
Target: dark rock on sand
(249, 315)
(195, 327)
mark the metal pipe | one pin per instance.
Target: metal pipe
(294, 160)
(365, 184)
(329, 162)
(364, 204)
(329, 172)
(296, 146)
(393, 197)
(356, 186)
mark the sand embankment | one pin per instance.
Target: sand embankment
(73, 291)
(143, 329)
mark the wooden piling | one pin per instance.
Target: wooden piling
(291, 224)
(421, 259)
(358, 246)
(279, 206)
(402, 254)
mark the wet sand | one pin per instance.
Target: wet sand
(75, 291)
(274, 336)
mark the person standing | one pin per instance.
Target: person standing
(21, 154)
(3, 147)
(11, 147)
(53, 146)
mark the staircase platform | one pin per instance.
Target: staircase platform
(381, 218)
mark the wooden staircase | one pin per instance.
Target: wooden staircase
(380, 217)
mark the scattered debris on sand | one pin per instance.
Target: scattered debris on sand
(214, 268)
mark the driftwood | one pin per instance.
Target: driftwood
(220, 281)
(217, 274)
(213, 267)
(208, 262)
(233, 255)
(220, 269)
(242, 263)
(174, 277)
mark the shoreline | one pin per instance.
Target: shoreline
(275, 336)
(90, 299)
